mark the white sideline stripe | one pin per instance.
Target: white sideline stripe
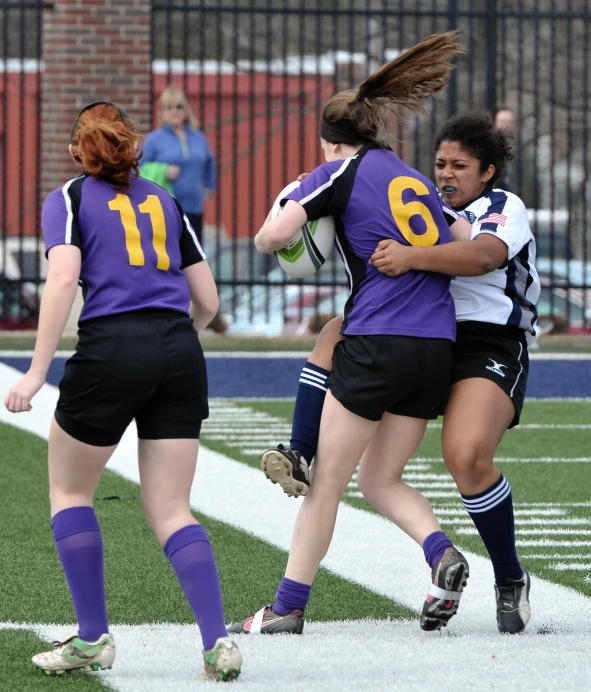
(535, 532)
(413, 466)
(553, 426)
(554, 504)
(546, 543)
(572, 567)
(533, 426)
(449, 511)
(522, 460)
(221, 424)
(556, 556)
(427, 493)
(410, 476)
(164, 658)
(265, 444)
(237, 412)
(520, 521)
(238, 438)
(430, 485)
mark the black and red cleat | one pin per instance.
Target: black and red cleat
(267, 621)
(449, 579)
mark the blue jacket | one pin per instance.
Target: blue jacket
(198, 171)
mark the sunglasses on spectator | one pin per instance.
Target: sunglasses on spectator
(170, 106)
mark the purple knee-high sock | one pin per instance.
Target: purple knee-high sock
(80, 546)
(190, 554)
(291, 595)
(434, 546)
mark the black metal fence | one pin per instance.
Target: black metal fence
(258, 73)
(20, 116)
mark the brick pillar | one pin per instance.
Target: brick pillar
(92, 50)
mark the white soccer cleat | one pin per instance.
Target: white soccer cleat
(223, 662)
(75, 653)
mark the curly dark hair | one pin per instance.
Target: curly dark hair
(476, 133)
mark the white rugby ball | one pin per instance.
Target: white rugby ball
(307, 251)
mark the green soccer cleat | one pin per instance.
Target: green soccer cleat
(75, 653)
(223, 662)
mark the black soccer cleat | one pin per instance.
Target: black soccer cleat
(449, 579)
(287, 467)
(267, 621)
(513, 610)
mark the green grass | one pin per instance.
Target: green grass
(23, 341)
(17, 673)
(141, 586)
(531, 482)
(210, 341)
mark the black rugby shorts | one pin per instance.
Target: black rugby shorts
(146, 365)
(403, 375)
(494, 352)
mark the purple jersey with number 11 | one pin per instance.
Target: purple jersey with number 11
(375, 196)
(134, 244)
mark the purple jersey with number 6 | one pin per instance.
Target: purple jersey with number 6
(134, 244)
(375, 196)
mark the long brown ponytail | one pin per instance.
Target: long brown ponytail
(407, 81)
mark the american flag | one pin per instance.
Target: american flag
(495, 217)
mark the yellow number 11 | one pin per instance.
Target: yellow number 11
(133, 240)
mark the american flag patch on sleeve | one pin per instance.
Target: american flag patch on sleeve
(495, 217)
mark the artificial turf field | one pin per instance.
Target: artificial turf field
(374, 576)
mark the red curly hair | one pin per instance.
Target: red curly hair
(105, 144)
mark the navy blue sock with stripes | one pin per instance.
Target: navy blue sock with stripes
(308, 409)
(492, 514)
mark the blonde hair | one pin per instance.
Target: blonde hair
(407, 82)
(172, 95)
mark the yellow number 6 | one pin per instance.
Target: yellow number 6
(403, 213)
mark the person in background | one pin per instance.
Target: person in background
(178, 157)
(505, 121)
(138, 357)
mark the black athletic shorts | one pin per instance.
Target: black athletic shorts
(403, 375)
(493, 352)
(146, 365)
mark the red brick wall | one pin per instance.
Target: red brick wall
(93, 50)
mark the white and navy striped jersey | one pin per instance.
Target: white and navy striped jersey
(507, 295)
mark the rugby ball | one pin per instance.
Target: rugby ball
(307, 251)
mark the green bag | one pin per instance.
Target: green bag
(156, 172)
